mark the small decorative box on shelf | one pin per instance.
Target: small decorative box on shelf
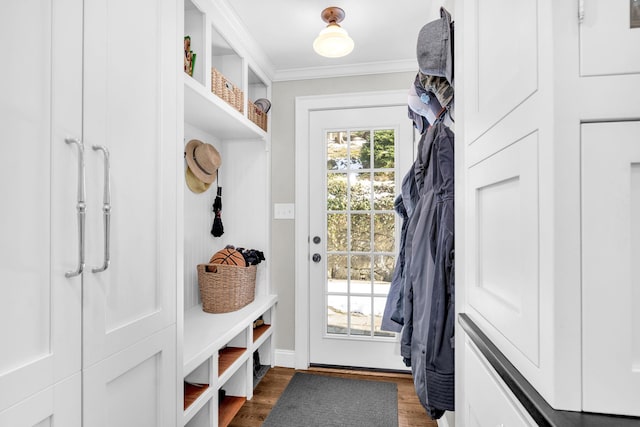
(223, 88)
(257, 116)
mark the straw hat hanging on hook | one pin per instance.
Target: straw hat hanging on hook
(203, 161)
(194, 184)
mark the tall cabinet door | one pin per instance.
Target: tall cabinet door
(611, 267)
(40, 314)
(130, 76)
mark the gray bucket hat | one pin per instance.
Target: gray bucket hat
(434, 47)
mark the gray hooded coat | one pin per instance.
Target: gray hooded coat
(427, 336)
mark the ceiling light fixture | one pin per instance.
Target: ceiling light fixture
(333, 41)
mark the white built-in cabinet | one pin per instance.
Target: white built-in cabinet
(40, 309)
(218, 349)
(97, 347)
(489, 401)
(611, 266)
(548, 219)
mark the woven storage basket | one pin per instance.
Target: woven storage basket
(226, 288)
(223, 88)
(257, 116)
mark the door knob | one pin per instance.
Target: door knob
(316, 258)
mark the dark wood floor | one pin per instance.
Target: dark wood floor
(253, 412)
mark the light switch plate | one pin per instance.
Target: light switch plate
(284, 211)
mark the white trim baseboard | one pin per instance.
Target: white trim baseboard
(285, 358)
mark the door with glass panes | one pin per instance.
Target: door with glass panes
(356, 161)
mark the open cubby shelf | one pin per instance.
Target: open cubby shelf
(210, 113)
(192, 392)
(206, 333)
(259, 374)
(259, 331)
(227, 356)
(228, 409)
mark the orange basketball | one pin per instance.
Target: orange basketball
(228, 256)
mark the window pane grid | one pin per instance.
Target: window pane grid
(361, 186)
(361, 212)
(367, 294)
(362, 252)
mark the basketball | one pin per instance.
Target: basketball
(228, 256)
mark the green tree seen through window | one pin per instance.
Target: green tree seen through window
(383, 150)
(355, 188)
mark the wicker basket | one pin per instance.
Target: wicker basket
(257, 116)
(223, 88)
(227, 287)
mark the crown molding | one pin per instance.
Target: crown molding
(345, 70)
(248, 43)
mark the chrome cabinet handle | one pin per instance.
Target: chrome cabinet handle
(80, 207)
(106, 207)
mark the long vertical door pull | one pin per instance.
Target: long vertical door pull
(106, 208)
(80, 207)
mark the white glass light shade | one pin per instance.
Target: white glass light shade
(333, 42)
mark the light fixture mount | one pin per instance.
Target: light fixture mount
(332, 15)
(333, 41)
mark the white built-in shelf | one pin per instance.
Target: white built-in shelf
(207, 111)
(218, 348)
(206, 333)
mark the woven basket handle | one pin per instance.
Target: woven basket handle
(204, 268)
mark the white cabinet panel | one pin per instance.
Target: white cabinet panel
(608, 45)
(502, 249)
(130, 88)
(503, 70)
(611, 267)
(499, 254)
(54, 406)
(135, 387)
(488, 401)
(41, 88)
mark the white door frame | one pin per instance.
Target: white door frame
(304, 106)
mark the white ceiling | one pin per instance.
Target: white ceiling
(384, 32)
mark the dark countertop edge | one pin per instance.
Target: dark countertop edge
(538, 408)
